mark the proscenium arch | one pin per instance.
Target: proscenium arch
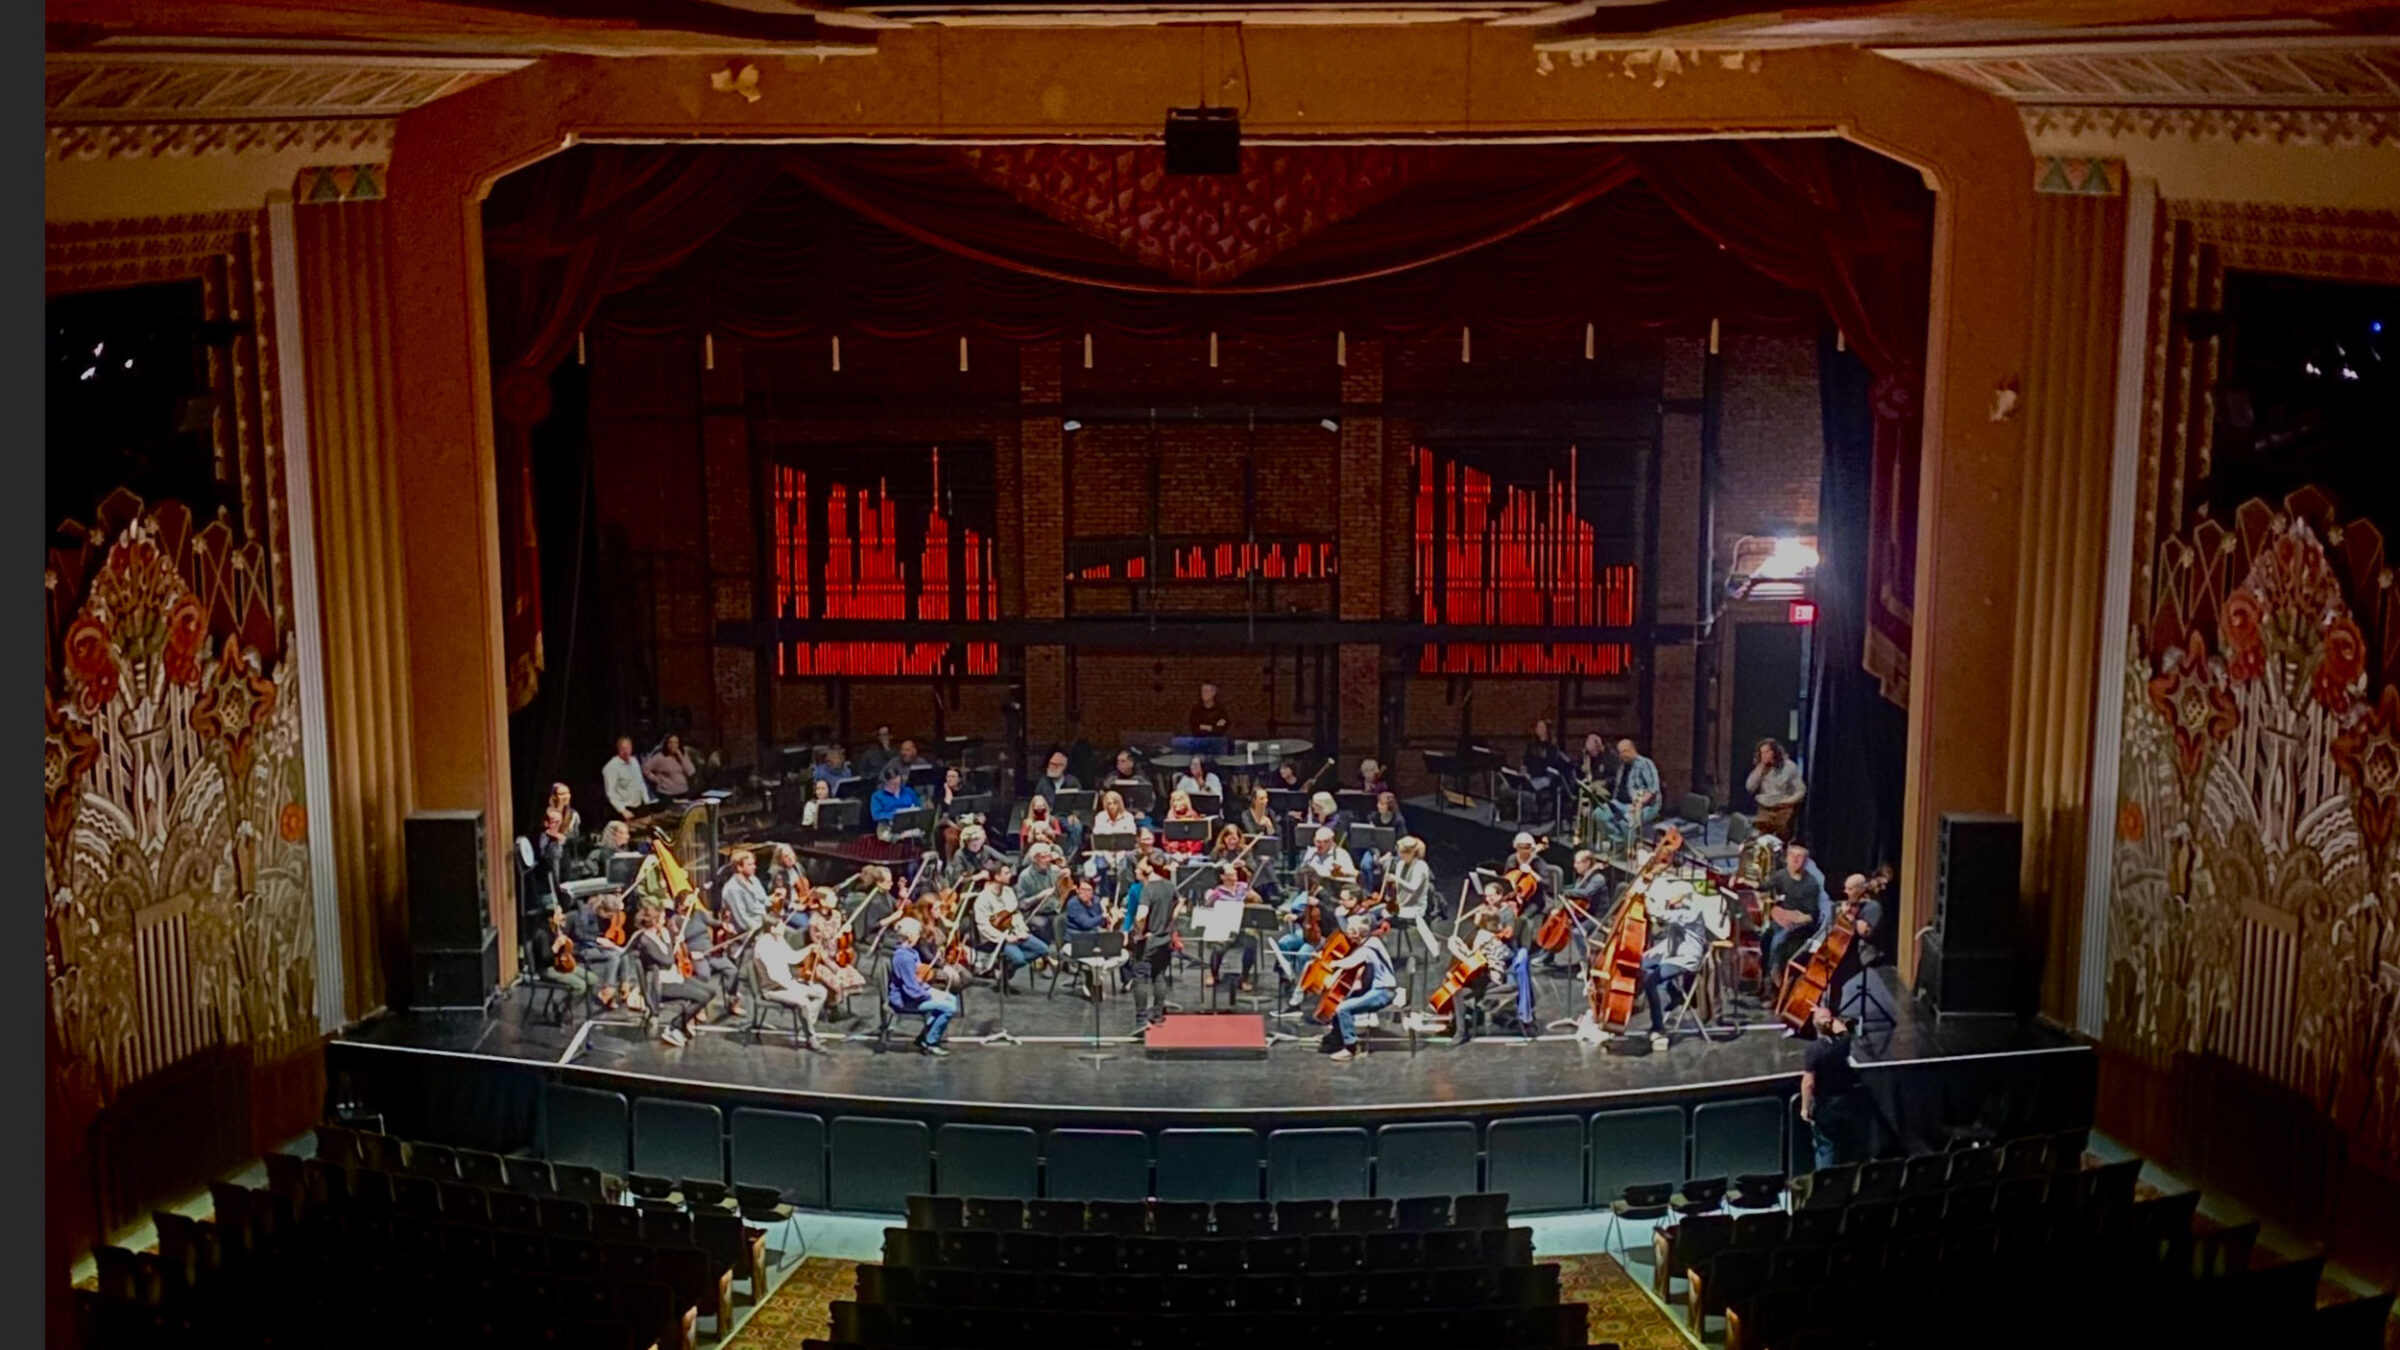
(1425, 83)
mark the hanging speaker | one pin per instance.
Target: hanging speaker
(1203, 140)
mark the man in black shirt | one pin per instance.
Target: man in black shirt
(1832, 1100)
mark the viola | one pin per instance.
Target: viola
(615, 932)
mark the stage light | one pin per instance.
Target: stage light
(1789, 560)
(1070, 425)
(1203, 141)
(1802, 612)
(1329, 424)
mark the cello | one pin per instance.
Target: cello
(1810, 976)
(1617, 969)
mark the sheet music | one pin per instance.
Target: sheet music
(1218, 922)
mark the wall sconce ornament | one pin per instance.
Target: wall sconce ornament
(745, 83)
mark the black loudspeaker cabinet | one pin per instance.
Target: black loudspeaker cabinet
(453, 977)
(1975, 882)
(448, 888)
(1954, 981)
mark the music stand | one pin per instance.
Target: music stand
(1139, 797)
(1092, 953)
(915, 821)
(1074, 802)
(623, 866)
(1184, 831)
(925, 777)
(840, 817)
(1121, 842)
(1356, 803)
(970, 804)
(1264, 923)
(1285, 801)
(853, 789)
(1208, 803)
(1375, 837)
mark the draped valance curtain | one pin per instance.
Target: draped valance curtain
(1043, 242)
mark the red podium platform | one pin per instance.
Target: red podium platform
(1207, 1036)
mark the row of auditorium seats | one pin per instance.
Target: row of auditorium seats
(414, 1245)
(1947, 1248)
(982, 1271)
(860, 1164)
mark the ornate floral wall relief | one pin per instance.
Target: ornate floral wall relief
(2257, 910)
(176, 859)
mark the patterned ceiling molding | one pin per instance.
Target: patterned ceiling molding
(2344, 127)
(2078, 176)
(1656, 64)
(2220, 73)
(134, 87)
(2342, 245)
(366, 136)
(104, 254)
(319, 185)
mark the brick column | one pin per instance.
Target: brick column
(1041, 500)
(1675, 574)
(1360, 703)
(1359, 521)
(730, 483)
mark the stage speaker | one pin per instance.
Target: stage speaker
(453, 977)
(1203, 140)
(1975, 882)
(448, 889)
(1951, 980)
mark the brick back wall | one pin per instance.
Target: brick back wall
(663, 476)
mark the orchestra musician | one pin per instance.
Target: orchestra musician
(1002, 925)
(776, 964)
(1127, 770)
(877, 913)
(1634, 803)
(834, 769)
(1531, 904)
(698, 933)
(615, 838)
(1485, 939)
(1259, 817)
(679, 1000)
(551, 863)
(1288, 779)
(1038, 890)
(578, 978)
(1589, 889)
(1233, 845)
(872, 762)
(562, 800)
(1056, 780)
(1150, 944)
(1179, 807)
(1038, 826)
(611, 974)
(892, 795)
(1797, 907)
(671, 769)
(1084, 913)
(743, 897)
(1412, 888)
(1776, 784)
(1595, 766)
(1380, 987)
(975, 854)
(1385, 816)
(907, 990)
(1111, 819)
(1327, 860)
(784, 875)
(1200, 781)
(819, 793)
(909, 758)
(622, 781)
(1232, 888)
(1545, 763)
(1325, 814)
(825, 936)
(1678, 939)
(1371, 779)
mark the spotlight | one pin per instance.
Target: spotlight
(1329, 424)
(1203, 141)
(1070, 425)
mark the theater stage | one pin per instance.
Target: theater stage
(450, 1074)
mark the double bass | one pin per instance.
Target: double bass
(1811, 975)
(1617, 968)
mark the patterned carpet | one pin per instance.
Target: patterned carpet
(1620, 1311)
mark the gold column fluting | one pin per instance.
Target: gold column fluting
(2068, 407)
(353, 448)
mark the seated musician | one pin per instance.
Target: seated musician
(562, 800)
(1258, 817)
(622, 782)
(1037, 889)
(1002, 925)
(1084, 913)
(1595, 766)
(825, 936)
(1325, 814)
(1112, 819)
(1232, 888)
(1385, 816)
(1038, 826)
(906, 989)
(1326, 859)
(1483, 939)
(559, 947)
(872, 926)
(1797, 907)
(1862, 898)
(834, 769)
(615, 838)
(775, 964)
(1289, 779)
(612, 973)
(1179, 807)
(1377, 991)
(1588, 890)
(697, 930)
(893, 796)
(1775, 783)
(1200, 780)
(1678, 939)
(671, 769)
(1126, 770)
(952, 787)
(743, 897)
(910, 758)
(1634, 802)
(680, 1001)
(1544, 761)
(878, 753)
(1371, 779)
(1412, 888)
(1055, 780)
(551, 861)
(975, 854)
(784, 875)
(819, 793)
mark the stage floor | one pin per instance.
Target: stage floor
(1053, 1073)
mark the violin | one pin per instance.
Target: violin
(615, 933)
(562, 948)
(1616, 974)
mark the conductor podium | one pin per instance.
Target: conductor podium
(1207, 1036)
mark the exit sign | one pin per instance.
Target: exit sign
(1802, 612)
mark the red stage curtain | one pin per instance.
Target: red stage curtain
(1857, 229)
(557, 238)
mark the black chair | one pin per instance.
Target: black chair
(287, 1174)
(2028, 1157)
(1054, 1216)
(617, 1223)
(437, 1161)
(1869, 1222)
(1180, 1218)
(732, 1245)
(1797, 1266)
(765, 1207)
(1827, 1188)
(1004, 1214)
(1363, 1216)
(379, 1151)
(1819, 1226)
(1879, 1180)
(1730, 1276)
(1125, 1218)
(644, 1187)
(1418, 1213)
(1926, 1174)
(1244, 1218)
(462, 1203)
(1973, 1166)
(1487, 1209)
(566, 1218)
(413, 1194)
(1755, 1190)
(1644, 1202)
(2357, 1324)
(1760, 1230)
(482, 1169)
(666, 1227)
(936, 1213)
(1676, 1250)
(1700, 1195)
(575, 1181)
(1303, 1216)
(532, 1176)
